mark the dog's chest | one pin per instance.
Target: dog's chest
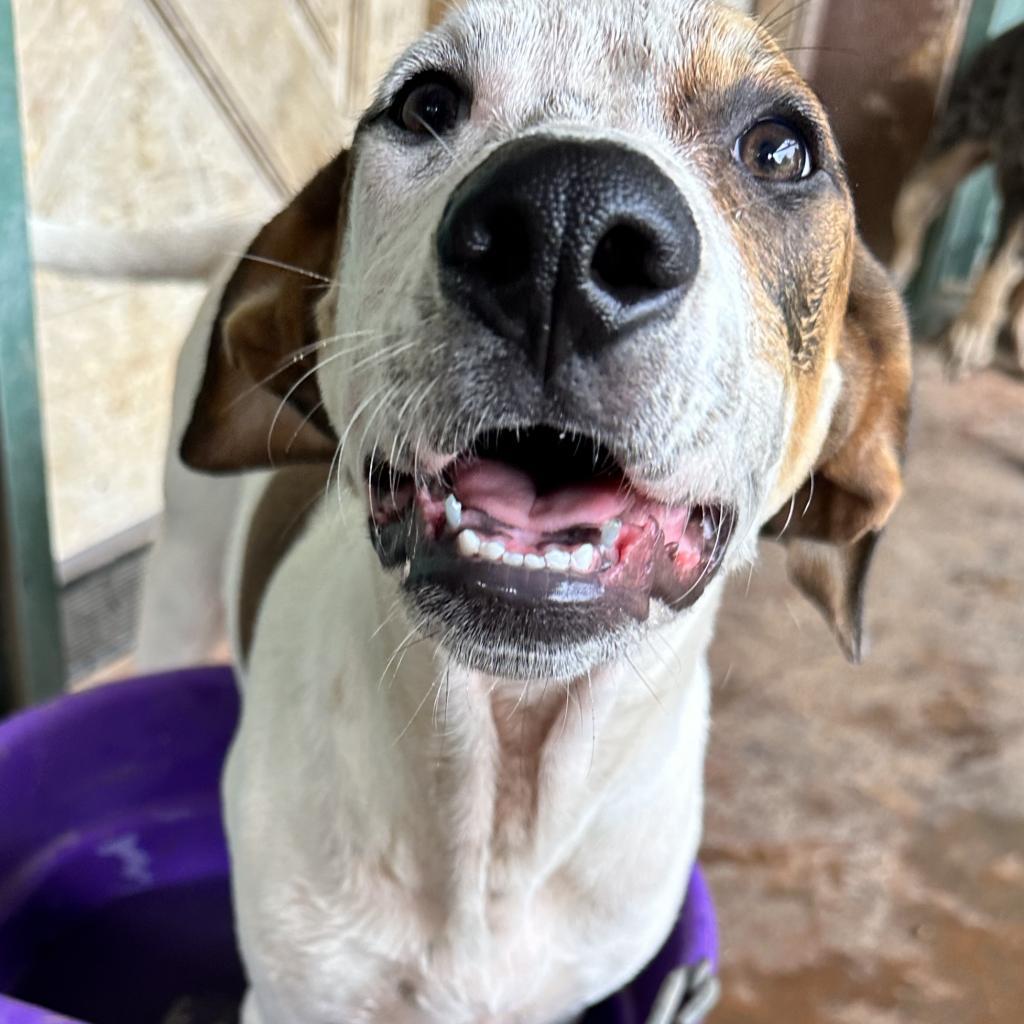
(507, 888)
(512, 947)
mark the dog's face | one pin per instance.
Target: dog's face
(590, 325)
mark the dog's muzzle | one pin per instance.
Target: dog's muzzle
(559, 250)
(567, 247)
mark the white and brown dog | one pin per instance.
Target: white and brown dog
(580, 311)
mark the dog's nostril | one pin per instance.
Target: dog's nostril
(496, 247)
(628, 264)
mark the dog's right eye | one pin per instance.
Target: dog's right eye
(431, 104)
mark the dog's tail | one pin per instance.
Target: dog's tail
(189, 253)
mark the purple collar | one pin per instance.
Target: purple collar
(693, 941)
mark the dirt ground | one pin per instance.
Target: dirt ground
(865, 826)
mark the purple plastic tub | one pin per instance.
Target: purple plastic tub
(114, 898)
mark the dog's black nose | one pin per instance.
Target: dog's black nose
(567, 247)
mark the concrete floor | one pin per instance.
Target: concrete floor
(865, 827)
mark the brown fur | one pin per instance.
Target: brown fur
(835, 519)
(259, 404)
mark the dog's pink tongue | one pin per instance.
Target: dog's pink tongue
(509, 496)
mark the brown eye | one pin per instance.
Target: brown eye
(431, 105)
(775, 151)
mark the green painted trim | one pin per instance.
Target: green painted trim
(961, 239)
(31, 662)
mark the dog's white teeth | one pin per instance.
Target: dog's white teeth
(558, 560)
(453, 511)
(583, 558)
(469, 544)
(492, 551)
(611, 533)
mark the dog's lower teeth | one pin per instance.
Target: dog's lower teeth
(469, 544)
(583, 558)
(558, 561)
(492, 551)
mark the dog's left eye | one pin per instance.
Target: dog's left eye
(430, 105)
(775, 150)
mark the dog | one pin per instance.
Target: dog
(984, 122)
(489, 413)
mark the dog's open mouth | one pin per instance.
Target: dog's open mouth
(536, 517)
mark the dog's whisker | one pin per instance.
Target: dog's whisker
(303, 423)
(810, 499)
(300, 355)
(593, 723)
(393, 611)
(290, 394)
(280, 265)
(343, 440)
(789, 518)
(773, 20)
(416, 714)
(437, 138)
(399, 650)
(519, 703)
(643, 679)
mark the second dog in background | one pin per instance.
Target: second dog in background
(984, 122)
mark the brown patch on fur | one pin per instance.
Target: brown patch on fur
(259, 404)
(819, 299)
(836, 517)
(284, 509)
(794, 239)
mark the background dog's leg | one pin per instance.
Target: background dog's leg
(975, 332)
(1017, 322)
(924, 197)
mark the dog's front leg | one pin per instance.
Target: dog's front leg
(974, 334)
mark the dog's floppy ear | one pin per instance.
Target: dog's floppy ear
(837, 518)
(259, 404)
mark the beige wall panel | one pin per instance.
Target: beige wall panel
(380, 30)
(276, 67)
(62, 47)
(133, 141)
(108, 351)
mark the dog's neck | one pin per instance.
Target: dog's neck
(505, 779)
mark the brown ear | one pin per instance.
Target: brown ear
(839, 514)
(259, 404)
